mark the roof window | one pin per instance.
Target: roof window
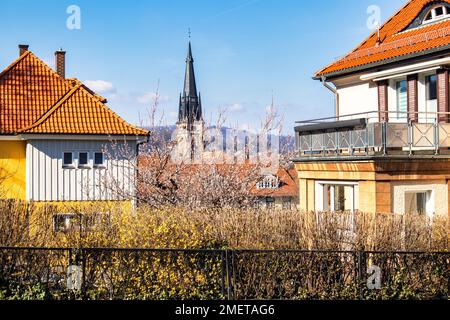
(437, 13)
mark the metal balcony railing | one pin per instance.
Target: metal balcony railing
(363, 134)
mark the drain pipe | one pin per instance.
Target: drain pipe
(323, 79)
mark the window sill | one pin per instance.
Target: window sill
(70, 167)
(84, 167)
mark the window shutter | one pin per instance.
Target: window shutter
(413, 105)
(442, 94)
(383, 101)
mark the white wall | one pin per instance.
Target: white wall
(47, 180)
(438, 189)
(357, 98)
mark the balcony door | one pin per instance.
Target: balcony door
(430, 98)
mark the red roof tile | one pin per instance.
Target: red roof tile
(35, 99)
(288, 185)
(395, 41)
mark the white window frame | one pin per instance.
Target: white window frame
(68, 166)
(88, 164)
(102, 165)
(394, 116)
(430, 198)
(434, 18)
(320, 192)
(68, 220)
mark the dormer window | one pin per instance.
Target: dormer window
(437, 13)
(269, 182)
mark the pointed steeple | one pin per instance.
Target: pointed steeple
(190, 86)
(190, 108)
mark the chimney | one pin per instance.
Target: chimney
(22, 49)
(60, 62)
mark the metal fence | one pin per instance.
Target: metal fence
(106, 273)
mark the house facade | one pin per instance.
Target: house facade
(278, 191)
(386, 149)
(59, 142)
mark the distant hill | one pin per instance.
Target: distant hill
(287, 143)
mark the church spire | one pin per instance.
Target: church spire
(190, 108)
(190, 86)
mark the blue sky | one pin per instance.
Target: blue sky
(243, 49)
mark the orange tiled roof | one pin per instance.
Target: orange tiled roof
(35, 99)
(395, 41)
(288, 185)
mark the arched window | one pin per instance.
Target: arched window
(437, 13)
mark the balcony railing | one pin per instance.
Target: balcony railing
(360, 135)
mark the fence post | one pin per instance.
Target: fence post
(224, 271)
(229, 265)
(83, 277)
(361, 264)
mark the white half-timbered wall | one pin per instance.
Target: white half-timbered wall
(49, 180)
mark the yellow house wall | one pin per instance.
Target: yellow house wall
(13, 169)
(86, 206)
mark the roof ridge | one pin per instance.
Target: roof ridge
(46, 115)
(358, 47)
(14, 63)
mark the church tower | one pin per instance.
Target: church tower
(190, 123)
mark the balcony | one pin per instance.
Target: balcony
(364, 135)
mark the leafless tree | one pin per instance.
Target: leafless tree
(161, 181)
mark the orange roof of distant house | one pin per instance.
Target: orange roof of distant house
(288, 185)
(396, 41)
(35, 99)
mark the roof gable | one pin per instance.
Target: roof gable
(35, 99)
(396, 39)
(28, 87)
(79, 112)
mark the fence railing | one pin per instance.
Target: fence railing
(365, 135)
(106, 273)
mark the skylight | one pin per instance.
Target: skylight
(436, 14)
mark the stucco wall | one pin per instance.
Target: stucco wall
(12, 169)
(357, 98)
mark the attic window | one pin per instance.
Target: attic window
(269, 182)
(437, 13)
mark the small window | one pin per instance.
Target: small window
(416, 202)
(68, 159)
(287, 203)
(270, 203)
(83, 159)
(98, 159)
(402, 98)
(431, 87)
(436, 14)
(439, 11)
(66, 222)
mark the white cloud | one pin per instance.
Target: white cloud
(100, 86)
(150, 97)
(235, 107)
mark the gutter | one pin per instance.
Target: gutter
(323, 79)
